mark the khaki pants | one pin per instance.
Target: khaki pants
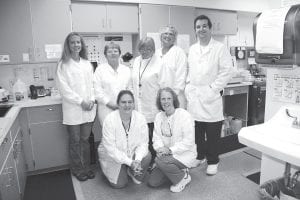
(167, 169)
(123, 176)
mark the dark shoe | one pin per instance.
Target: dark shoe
(81, 177)
(90, 174)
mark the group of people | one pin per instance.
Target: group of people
(164, 115)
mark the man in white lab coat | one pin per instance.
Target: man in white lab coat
(210, 69)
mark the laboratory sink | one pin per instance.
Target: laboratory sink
(4, 108)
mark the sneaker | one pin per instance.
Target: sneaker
(90, 174)
(181, 185)
(133, 178)
(81, 176)
(197, 163)
(212, 169)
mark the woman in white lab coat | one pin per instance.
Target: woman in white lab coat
(148, 76)
(175, 58)
(123, 150)
(74, 79)
(173, 141)
(109, 79)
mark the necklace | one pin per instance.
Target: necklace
(141, 74)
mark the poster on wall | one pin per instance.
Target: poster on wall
(286, 88)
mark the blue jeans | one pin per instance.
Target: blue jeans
(79, 147)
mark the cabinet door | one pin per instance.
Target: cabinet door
(16, 37)
(89, 17)
(224, 22)
(153, 17)
(49, 144)
(118, 22)
(182, 18)
(19, 156)
(8, 180)
(26, 139)
(51, 22)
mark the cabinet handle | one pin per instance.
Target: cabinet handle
(50, 109)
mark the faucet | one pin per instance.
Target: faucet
(296, 122)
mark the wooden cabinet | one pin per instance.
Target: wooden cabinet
(224, 22)
(107, 18)
(51, 22)
(48, 137)
(16, 37)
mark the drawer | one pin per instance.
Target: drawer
(14, 129)
(4, 148)
(235, 90)
(45, 113)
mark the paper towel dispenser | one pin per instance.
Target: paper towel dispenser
(291, 41)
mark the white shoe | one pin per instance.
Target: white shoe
(197, 163)
(181, 185)
(133, 178)
(212, 169)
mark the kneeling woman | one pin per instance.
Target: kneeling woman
(173, 141)
(123, 151)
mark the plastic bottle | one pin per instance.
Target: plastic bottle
(20, 91)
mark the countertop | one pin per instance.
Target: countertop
(7, 121)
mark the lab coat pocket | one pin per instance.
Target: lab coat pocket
(191, 93)
(208, 95)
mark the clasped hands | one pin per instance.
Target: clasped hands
(163, 151)
(136, 167)
(87, 105)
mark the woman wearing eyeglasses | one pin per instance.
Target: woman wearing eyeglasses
(173, 141)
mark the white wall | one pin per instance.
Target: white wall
(239, 5)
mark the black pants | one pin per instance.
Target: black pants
(207, 136)
(151, 149)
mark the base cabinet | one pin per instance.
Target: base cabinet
(8, 180)
(19, 157)
(47, 142)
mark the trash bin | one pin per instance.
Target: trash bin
(276, 189)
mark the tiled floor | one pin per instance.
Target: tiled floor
(229, 184)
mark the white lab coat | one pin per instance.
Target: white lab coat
(176, 60)
(75, 82)
(108, 83)
(154, 77)
(113, 147)
(209, 72)
(182, 142)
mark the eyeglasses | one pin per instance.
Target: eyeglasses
(145, 50)
(165, 128)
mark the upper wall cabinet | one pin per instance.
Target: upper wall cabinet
(51, 22)
(28, 25)
(15, 23)
(224, 22)
(153, 17)
(108, 18)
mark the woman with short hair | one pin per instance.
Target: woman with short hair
(109, 79)
(173, 141)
